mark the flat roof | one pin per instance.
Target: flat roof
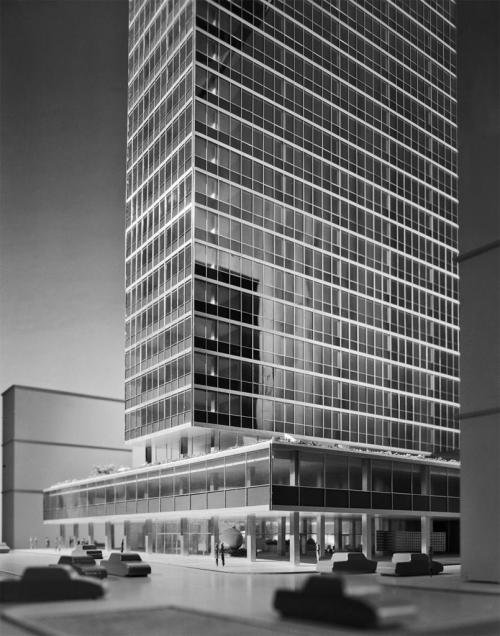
(55, 391)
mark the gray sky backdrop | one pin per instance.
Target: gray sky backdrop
(63, 144)
(63, 133)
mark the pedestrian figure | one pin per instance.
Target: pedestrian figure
(35, 542)
(47, 542)
(222, 555)
(318, 552)
(31, 543)
(122, 545)
(430, 561)
(217, 554)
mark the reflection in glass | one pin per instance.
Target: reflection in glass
(257, 468)
(235, 473)
(311, 470)
(381, 476)
(336, 472)
(215, 474)
(283, 463)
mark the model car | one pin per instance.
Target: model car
(349, 562)
(4, 547)
(126, 564)
(83, 564)
(324, 598)
(90, 549)
(410, 564)
(46, 583)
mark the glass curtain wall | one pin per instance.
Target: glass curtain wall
(158, 217)
(325, 289)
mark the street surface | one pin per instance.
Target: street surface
(242, 593)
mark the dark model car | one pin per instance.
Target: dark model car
(410, 564)
(90, 549)
(60, 583)
(83, 564)
(126, 564)
(323, 598)
(349, 562)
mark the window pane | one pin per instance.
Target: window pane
(283, 463)
(453, 486)
(141, 489)
(438, 482)
(355, 474)
(258, 469)
(418, 479)
(130, 490)
(235, 473)
(401, 475)
(215, 474)
(336, 472)
(181, 481)
(381, 476)
(199, 478)
(311, 470)
(167, 485)
(153, 486)
(120, 492)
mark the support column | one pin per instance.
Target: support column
(148, 536)
(282, 536)
(366, 475)
(320, 537)
(352, 533)
(425, 480)
(425, 534)
(294, 538)
(251, 538)
(303, 536)
(338, 534)
(126, 532)
(108, 535)
(263, 530)
(378, 526)
(183, 537)
(214, 539)
(367, 527)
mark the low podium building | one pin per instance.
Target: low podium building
(286, 498)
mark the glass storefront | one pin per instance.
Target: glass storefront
(279, 476)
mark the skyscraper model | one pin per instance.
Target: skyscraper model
(291, 282)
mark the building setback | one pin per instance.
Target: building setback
(292, 298)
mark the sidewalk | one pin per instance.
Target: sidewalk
(191, 595)
(449, 581)
(234, 565)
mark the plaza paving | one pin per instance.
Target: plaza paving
(192, 595)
